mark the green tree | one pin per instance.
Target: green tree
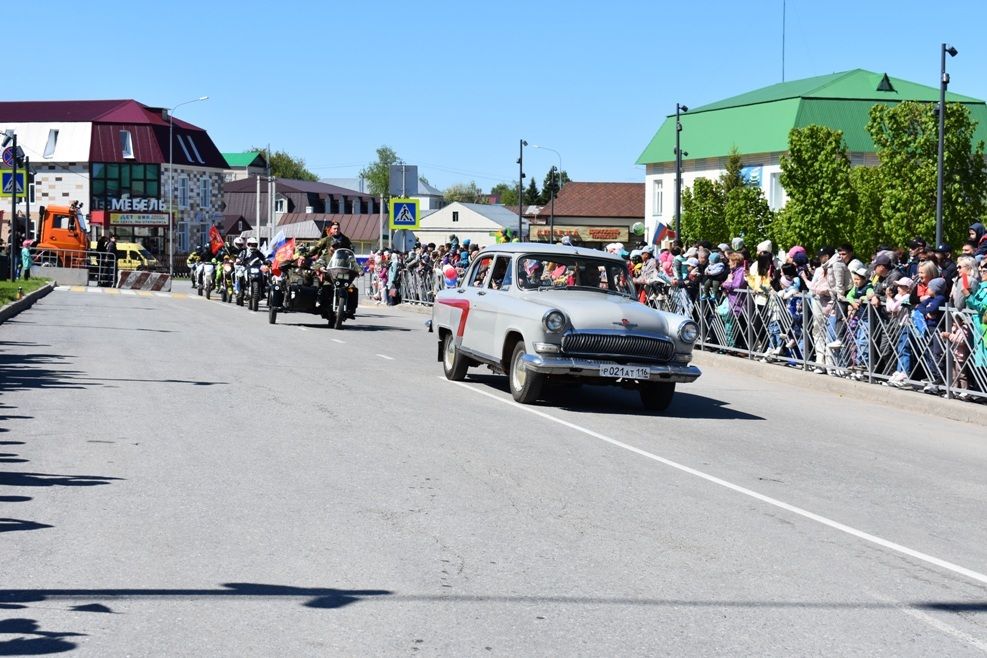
(703, 212)
(464, 192)
(286, 166)
(732, 178)
(867, 230)
(531, 194)
(747, 214)
(906, 136)
(378, 174)
(821, 201)
(554, 180)
(506, 193)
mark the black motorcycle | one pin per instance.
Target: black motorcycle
(338, 295)
(255, 270)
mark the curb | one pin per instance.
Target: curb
(896, 399)
(13, 308)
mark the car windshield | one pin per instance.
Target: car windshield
(543, 272)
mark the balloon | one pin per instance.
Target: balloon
(637, 228)
(449, 271)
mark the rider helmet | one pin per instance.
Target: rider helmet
(252, 242)
(238, 242)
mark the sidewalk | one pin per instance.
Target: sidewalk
(13, 308)
(932, 405)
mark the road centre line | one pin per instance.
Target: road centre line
(859, 534)
(384, 356)
(341, 342)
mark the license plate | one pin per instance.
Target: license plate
(625, 372)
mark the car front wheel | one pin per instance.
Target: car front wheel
(526, 385)
(453, 363)
(656, 396)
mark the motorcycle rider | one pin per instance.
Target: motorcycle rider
(324, 248)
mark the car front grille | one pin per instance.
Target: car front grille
(616, 346)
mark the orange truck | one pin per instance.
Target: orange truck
(63, 236)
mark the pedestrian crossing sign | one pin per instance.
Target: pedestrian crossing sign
(404, 213)
(11, 185)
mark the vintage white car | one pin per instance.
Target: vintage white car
(546, 314)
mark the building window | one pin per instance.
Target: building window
(50, 146)
(455, 215)
(112, 180)
(280, 205)
(205, 193)
(183, 237)
(183, 192)
(126, 145)
(658, 198)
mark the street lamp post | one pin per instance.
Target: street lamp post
(679, 109)
(943, 83)
(171, 182)
(551, 233)
(520, 188)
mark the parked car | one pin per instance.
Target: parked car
(545, 314)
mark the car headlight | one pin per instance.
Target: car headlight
(688, 332)
(554, 321)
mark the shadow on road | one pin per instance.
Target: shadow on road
(313, 597)
(40, 643)
(619, 401)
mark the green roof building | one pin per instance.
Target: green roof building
(243, 165)
(757, 124)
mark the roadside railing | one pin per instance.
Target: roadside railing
(101, 266)
(945, 354)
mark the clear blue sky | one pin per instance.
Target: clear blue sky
(452, 86)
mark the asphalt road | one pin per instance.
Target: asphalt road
(178, 477)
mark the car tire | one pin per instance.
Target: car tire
(525, 385)
(272, 314)
(656, 396)
(453, 363)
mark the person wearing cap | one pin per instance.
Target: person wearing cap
(943, 254)
(898, 306)
(26, 261)
(926, 318)
(838, 273)
(858, 323)
(916, 246)
(649, 268)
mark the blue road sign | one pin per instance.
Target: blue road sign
(9, 185)
(8, 157)
(404, 213)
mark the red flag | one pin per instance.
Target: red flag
(215, 240)
(283, 254)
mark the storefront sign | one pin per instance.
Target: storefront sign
(583, 233)
(139, 204)
(138, 219)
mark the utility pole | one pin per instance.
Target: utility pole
(13, 210)
(520, 189)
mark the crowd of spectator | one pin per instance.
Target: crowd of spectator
(911, 317)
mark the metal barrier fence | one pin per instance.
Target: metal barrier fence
(945, 354)
(101, 266)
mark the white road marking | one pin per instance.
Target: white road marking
(898, 548)
(384, 356)
(95, 290)
(129, 292)
(163, 294)
(341, 342)
(929, 620)
(303, 328)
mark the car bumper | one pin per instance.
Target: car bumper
(590, 369)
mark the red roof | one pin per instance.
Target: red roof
(625, 200)
(363, 227)
(119, 111)
(148, 127)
